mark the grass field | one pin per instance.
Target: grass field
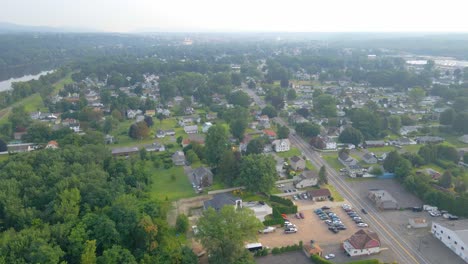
(4, 157)
(292, 152)
(34, 102)
(165, 186)
(335, 194)
(332, 160)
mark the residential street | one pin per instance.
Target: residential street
(390, 238)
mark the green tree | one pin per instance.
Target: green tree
(216, 143)
(182, 224)
(447, 117)
(3, 146)
(19, 118)
(416, 95)
(403, 168)
(238, 127)
(391, 161)
(255, 146)
(117, 255)
(323, 179)
(257, 173)
(89, 253)
(192, 156)
(228, 167)
(139, 130)
(239, 98)
(67, 206)
(179, 140)
(351, 135)
(325, 105)
(149, 121)
(283, 132)
(446, 179)
(308, 129)
(460, 186)
(291, 94)
(270, 111)
(367, 121)
(394, 123)
(461, 123)
(223, 233)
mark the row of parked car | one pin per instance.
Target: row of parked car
(354, 215)
(331, 219)
(289, 227)
(301, 196)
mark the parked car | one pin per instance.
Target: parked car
(290, 230)
(301, 215)
(333, 229)
(363, 211)
(268, 229)
(297, 216)
(325, 208)
(330, 256)
(362, 225)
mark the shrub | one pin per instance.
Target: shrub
(274, 221)
(316, 259)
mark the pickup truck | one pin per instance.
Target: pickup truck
(268, 229)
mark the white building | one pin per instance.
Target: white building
(191, 129)
(454, 235)
(364, 242)
(281, 145)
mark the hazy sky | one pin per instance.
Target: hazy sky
(241, 15)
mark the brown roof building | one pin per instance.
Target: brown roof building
(363, 242)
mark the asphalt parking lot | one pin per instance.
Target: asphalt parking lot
(310, 228)
(420, 239)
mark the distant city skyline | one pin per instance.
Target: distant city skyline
(241, 15)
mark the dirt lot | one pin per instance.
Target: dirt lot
(310, 228)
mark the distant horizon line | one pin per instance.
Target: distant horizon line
(22, 28)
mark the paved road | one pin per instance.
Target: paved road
(402, 249)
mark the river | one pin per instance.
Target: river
(6, 85)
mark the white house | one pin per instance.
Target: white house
(281, 145)
(206, 126)
(191, 129)
(364, 242)
(454, 235)
(306, 179)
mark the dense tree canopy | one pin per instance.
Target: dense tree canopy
(257, 173)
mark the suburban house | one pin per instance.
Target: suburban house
(463, 139)
(319, 194)
(374, 143)
(131, 114)
(429, 139)
(405, 130)
(404, 141)
(346, 159)
(124, 151)
(202, 176)
(211, 116)
(369, 158)
(206, 126)
(312, 249)
(52, 145)
(417, 222)
(364, 242)
(281, 145)
(383, 200)
(297, 163)
(170, 132)
(155, 147)
(178, 158)
(160, 133)
(307, 178)
(191, 129)
(324, 142)
(221, 199)
(269, 133)
(454, 235)
(109, 139)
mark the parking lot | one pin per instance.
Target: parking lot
(311, 228)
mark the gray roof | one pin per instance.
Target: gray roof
(295, 159)
(308, 174)
(202, 171)
(124, 150)
(458, 227)
(221, 199)
(368, 156)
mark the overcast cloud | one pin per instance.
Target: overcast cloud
(241, 15)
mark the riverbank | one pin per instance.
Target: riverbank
(34, 102)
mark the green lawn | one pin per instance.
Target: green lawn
(292, 152)
(411, 148)
(335, 194)
(332, 160)
(4, 157)
(164, 186)
(309, 166)
(381, 150)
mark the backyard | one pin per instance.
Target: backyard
(171, 184)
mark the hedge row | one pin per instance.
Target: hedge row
(281, 200)
(273, 221)
(285, 249)
(261, 252)
(316, 259)
(278, 210)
